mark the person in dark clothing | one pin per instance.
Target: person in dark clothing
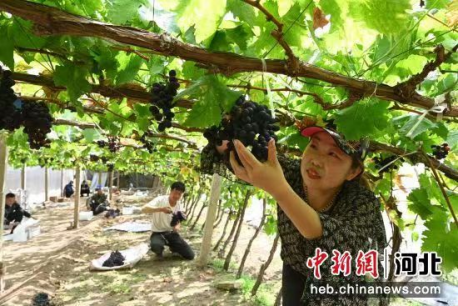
(98, 203)
(85, 190)
(68, 190)
(13, 211)
(324, 206)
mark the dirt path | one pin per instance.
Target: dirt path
(57, 262)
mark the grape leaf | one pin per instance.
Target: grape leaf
(72, 77)
(6, 48)
(420, 203)
(368, 117)
(122, 11)
(129, 66)
(196, 13)
(442, 237)
(214, 99)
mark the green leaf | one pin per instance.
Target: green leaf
(420, 203)
(387, 17)
(22, 35)
(214, 99)
(6, 48)
(452, 139)
(412, 65)
(438, 4)
(367, 117)
(122, 11)
(129, 66)
(203, 14)
(284, 6)
(442, 237)
(243, 11)
(73, 78)
(91, 134)
(423, 126)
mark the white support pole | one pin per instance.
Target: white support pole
(3, 168)
(99, 181)
(77, 197)
(46, 184)
(62, 182)
(110, 186)
(23, 177)
(205, 248)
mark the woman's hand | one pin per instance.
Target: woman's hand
(222, 147)
(267, 176)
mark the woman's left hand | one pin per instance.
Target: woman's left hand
(267, 176)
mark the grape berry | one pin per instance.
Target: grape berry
(162, 101)
(441, 151)
(116, 259)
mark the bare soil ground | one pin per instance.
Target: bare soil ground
(57, 262)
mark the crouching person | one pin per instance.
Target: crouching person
(165, 232)
(98, 203)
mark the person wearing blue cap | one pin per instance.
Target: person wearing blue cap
(322, 206)
(98, 203)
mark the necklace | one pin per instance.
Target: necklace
(327, 206)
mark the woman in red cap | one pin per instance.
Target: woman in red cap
(324, 207)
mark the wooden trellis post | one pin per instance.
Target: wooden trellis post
(77, 197)
(211, 214)
(3, 167)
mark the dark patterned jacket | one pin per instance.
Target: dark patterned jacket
(353, 223)
(14, 213)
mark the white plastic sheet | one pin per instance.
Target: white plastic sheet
(131, 255)
(135, 227)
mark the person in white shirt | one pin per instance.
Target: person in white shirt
(162, 210)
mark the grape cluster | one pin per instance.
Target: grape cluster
(116, 259)
(162, 101)
(441, 151)
(380, 163)
(101, 143)
(113, 144)
(41, 299)
(330, 124)
(10, 116)
(93, 158)
(177, 218)
(248, 122)
(148, 145)
(37, 123)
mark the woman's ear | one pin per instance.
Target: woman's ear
(354, 172)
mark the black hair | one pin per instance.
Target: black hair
(178, 186)
(10, 195)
